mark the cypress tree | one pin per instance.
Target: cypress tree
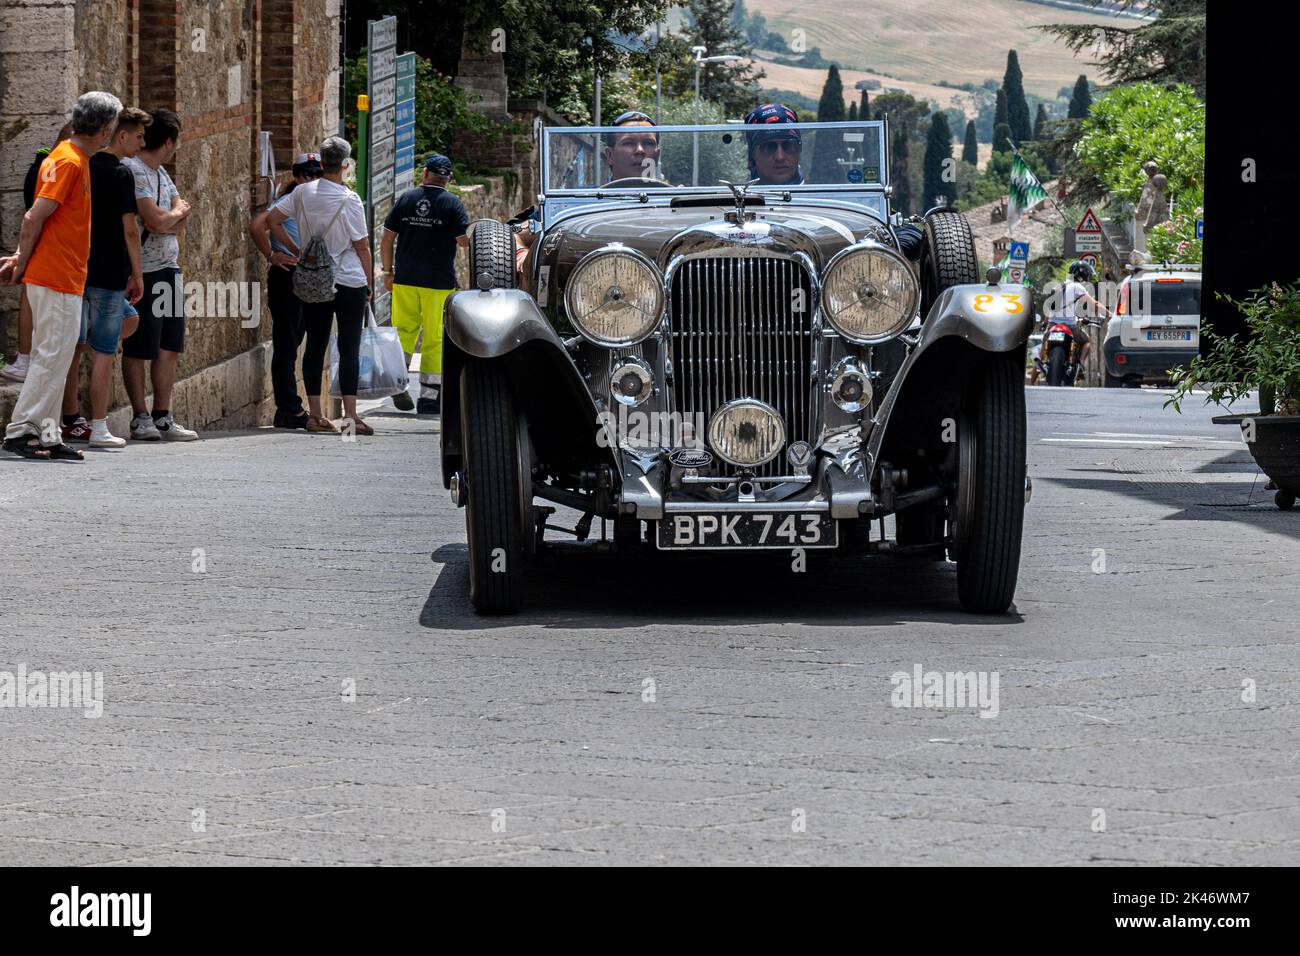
(902, 199)
(1017, 106)
(1000, 117)
(1002, 138)
(864, 111)
(830, 109)
(970, 152)
(1040, 122)
(938, 156)
(1081, 101)
(853, 111)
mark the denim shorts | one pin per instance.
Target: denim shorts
(102, 314)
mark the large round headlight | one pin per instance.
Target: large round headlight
(615, 297)
(869, 294)
(747, 432)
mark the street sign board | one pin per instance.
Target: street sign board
(1093, 259)
(404, 159)
(1089, 223)
(1200, 229)
(381, 86)
(1016, 275)
(1018, 252)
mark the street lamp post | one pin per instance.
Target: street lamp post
(701, 59)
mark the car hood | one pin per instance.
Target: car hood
(661, 232)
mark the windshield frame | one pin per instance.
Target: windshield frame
(871, 197)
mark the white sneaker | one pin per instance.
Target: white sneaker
(16, 371)
(101, 437)
(169, 429)
(143, 428)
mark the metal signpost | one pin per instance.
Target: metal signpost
(404, 164)
(1018, 261)
(381, 150)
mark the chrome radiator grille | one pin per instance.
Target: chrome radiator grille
(736, 334)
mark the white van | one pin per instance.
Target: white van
(1156, 327)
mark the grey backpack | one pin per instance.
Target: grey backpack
(313, 279)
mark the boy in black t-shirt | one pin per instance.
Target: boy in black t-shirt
(114, 282)
(431, 223)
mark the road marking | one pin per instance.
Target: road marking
(1105, 441)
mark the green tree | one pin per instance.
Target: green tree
(1081, 101)
(734, 84)
(1002, 138)
(938, 162)
(1040, 123)
(1000, 114)
(1167, 49)
(970, 152)
(864, 109)
(1013, 85)
(853, 112)
(1132, 124)
(898, 175)
(830, 109)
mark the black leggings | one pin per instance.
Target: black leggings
(349, 306)
(286, 337)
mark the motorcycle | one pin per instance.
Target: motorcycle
(1063, 348)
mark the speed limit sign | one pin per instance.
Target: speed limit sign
(1092, 259)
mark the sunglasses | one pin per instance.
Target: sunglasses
(789, 145)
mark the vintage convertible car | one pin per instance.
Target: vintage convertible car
(718, 354)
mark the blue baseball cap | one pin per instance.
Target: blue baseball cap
(438, 163)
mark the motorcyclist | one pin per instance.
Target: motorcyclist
(1075, 306)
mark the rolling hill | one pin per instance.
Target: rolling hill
(916, 43)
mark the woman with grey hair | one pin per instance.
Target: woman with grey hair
(53, 249)
(328, 210)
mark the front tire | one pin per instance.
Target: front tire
(494, 480)
(1057, 357)
(947, 256)
(990, 504)
(492, 254)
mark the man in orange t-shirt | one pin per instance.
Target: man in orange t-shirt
(53, 248)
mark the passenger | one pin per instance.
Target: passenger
(774, 154)
(634, 154)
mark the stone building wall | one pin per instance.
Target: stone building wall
(230, 68)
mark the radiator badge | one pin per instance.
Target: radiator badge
(691, 457)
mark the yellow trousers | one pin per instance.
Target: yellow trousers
(417, 314)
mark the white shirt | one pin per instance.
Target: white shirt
(314, 205)
(1070, 295)
(160, 250)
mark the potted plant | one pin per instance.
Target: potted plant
(1267, 360)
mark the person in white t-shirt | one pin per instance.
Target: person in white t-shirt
(1076, 302)
(328, 209)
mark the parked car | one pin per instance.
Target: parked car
(705, 359)
(1156, 326)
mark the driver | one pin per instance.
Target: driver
(1077, 308)
(774, 154)
(634, 154)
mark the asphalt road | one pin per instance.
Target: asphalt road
(289, 678)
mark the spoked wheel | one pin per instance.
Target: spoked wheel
(498, 515)
(989, 504)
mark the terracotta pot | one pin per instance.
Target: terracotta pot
(1276, 449)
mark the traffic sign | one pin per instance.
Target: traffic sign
(1016, 275)
(1200, 229)
(1089, 223)
(1092, 259)
(1019, 252)
(404, 166)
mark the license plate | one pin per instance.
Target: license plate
(1168, 335)
(1056, 337)
(750, 529)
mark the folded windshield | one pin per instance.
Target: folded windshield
(779, 156)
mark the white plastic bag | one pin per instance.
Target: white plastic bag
(381, 364)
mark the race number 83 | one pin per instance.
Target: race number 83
(1013, 303)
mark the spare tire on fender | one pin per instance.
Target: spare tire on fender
(947, 256)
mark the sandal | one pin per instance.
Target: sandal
(360, 427)
(27, 446)
(315, 424)
(66, 453)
